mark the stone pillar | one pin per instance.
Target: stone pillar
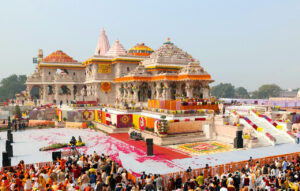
(178, 89)
(28, 90)
(189, 90)
(118, 90)
(152, 90)
(71, 87)
(135, 95)
(206, 93)
(167, 91)
(158, 95)
(56, 95)
(44, 99)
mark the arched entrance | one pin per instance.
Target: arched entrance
(183, 90)
(173, 91)
(50, 90)
(144, 92)
(64, 90)
(35, 92)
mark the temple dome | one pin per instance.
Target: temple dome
(168, 54)
(140, 50)
(116, 49)
(59, 57)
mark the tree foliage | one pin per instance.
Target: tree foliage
(221, 90)
(266, 91)
(11, 85)
(227, 90)
(241, 92)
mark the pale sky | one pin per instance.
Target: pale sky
(246, 43)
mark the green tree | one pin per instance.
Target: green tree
(241, 92)
(11, 85)
(221, 90)
(266, 91)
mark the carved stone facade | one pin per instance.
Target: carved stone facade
(113, 76)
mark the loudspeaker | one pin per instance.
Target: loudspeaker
(55, 155)
(238, 142)
(11, 138)
(7, 144)
(9, 148)
(5, 160)
(149, 147)
(239, 134)
(9, 151)
(8, 133)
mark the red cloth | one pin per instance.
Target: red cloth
(124, 121)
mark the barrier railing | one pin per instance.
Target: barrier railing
(226, 168)
(27, 166)
(208, 171)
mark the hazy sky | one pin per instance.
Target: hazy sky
(246, 43)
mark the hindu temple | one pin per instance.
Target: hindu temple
(114, 75)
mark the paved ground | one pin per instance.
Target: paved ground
(28, 143)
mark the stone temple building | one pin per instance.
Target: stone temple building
(114, 75)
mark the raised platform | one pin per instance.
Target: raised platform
(162, 152)
(109, 129)
(172, 139)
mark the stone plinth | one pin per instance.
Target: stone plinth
(172, 139)
(109, 128)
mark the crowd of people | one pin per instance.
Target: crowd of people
(82, 173)
(101, 173)
(278, 175)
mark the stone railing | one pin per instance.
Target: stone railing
(63, 78)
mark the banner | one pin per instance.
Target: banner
(142, 123)
(124, 121)
(104, 68)
(88, 115)
(107, 118)
(98, 116)
(106, 86)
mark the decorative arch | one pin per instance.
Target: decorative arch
(35, 92)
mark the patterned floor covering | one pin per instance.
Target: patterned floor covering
(204, 148)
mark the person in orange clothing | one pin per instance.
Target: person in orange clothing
(41, 181)
(3, 187)
(49, 181)
(62, 163)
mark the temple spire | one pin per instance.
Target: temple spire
(116, 49)
(102, 45)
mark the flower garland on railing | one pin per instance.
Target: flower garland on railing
(185, 103)
(267, 118)
(196, 111)
(270, 137)
(250, 123)
(260, 129)
(290, 134)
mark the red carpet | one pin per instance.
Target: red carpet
(162, 152)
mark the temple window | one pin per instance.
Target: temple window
(74, 73)
(49, 73)
(128, 69)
